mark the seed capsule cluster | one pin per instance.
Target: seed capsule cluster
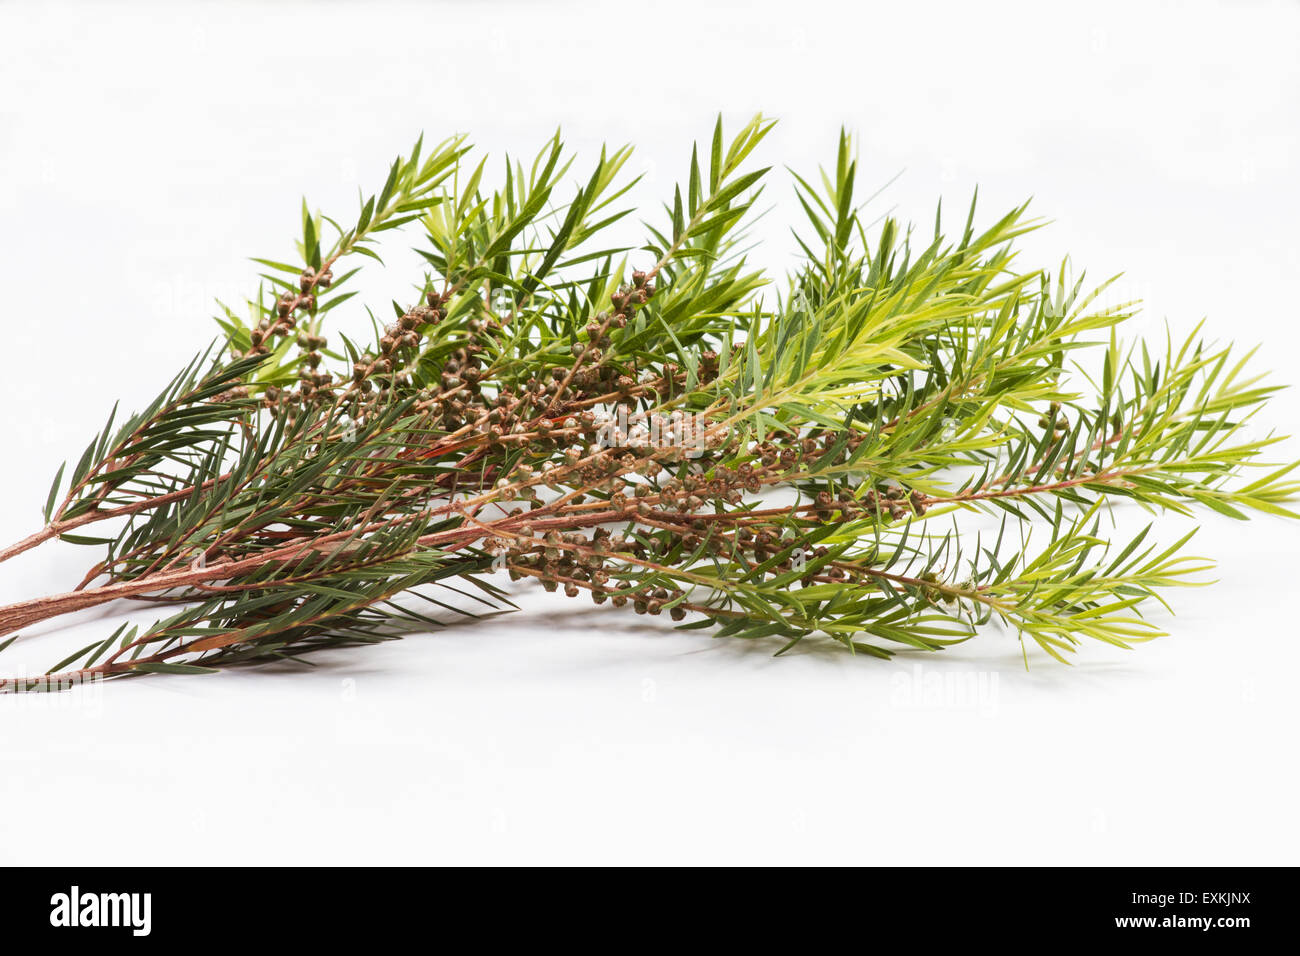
(287, 309)
(388, 367)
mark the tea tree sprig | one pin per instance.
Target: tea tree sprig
(653, 428)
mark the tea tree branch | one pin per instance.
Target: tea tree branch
(663, 428)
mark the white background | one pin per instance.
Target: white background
(146, 150)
